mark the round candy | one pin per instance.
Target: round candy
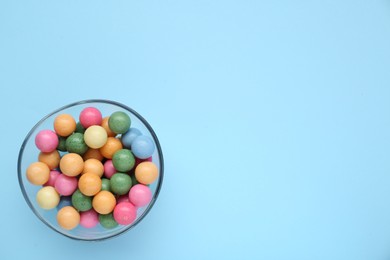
(90, 116)
(68, 218)
(64, 125)
(81, 202)
(146, 172)
(110, 147)
(123, 198)
(95, 136)
(128, 137)
(125, 213)
(120, 183)
(89, 219)
(65, 185)
(107, 221)
(104, 202)
(106, 127)
(123, 160)
(48, 198)
(109, 169)
(142, 147)
(52, 178)
(51, 159)
(61, 144)
(140, 195)
(38, 173)
(80, 128)
(93, 166)
(133, 179)
(93, 154)
(75, 144)
(46, 141)
(119, 122)
(71, 164)
(90, 184)
(106, 184)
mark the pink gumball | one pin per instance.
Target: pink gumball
(52, 178)
(109, 169)
(123, 198)
(140, 195)
(65, 185)
(46, 141)
(89, 218)
(90, 116)
(125, 213)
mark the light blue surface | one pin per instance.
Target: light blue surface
(274, 119)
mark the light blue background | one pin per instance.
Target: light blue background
(274, 118)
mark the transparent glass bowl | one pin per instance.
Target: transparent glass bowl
(29, 154)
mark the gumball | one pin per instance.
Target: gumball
(133, 179)
(110, 147)
(51, 159)
(95, 136)
(38, 173)
(71, 164)
(93, 154)
(61, 144)
(142, 147)
(125, 213)
(46, 141)
(107, 221)
(90, 184)
(65, 185)
(75, 144)
(140, 195)
(68, 217)
(106, 184)
(81, 202)
(52, 178)
(122, 198)
(146, 172)
(93, 166)
(80, 128)
(109, 169)
(47, 197)
(120, 183)
(106, 127)
(119, 122)
(64, 125)
(104, 202)
(90, 116)
(128, 137)
(89, 219)
(123, 160)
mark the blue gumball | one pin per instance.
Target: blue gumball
(64, 201)
(142, 147)
(129, 136)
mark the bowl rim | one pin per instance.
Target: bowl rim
(87, 101)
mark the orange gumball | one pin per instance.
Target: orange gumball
(68, 217)
(50, 159)
(104, 202)
(93, 154)
(38, 173)
(112, 145)
(64, 125)
(146, 172)
(104, 124)
(71, 164)
(90, 184)
(93, 166)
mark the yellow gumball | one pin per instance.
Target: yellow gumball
(48, 197)
(95, 136)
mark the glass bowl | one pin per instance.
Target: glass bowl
(29, 154)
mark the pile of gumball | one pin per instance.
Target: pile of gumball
(95, 171)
